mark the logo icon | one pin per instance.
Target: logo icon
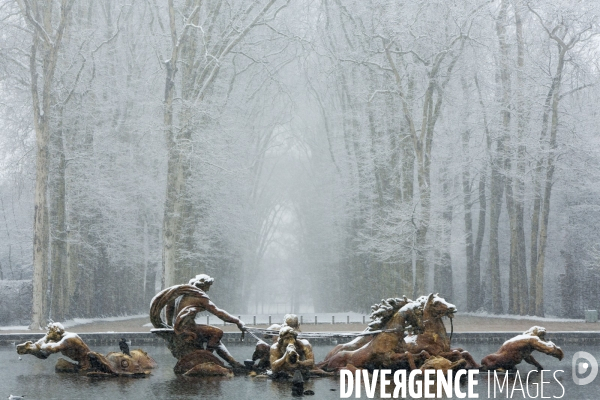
(581, 367)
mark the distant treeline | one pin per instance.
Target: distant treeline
(328, 154)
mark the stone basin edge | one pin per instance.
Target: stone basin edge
(233, 338)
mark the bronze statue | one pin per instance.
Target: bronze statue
(402, 333)
(382, 314)
(442, 364)
(57, 340)
(433, 338)
(289, 353)
(185, 338)
(381, 345)
(290, 320)
(262, 351)
(519, 348)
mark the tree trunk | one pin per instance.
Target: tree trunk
(497, 189)
(173, 201)
(548, 181)
(473, 278)
(497, 160)
(477, 293)
(59, 267)
(46, 41)
(443, 280)
(514, 286)
(519, 195)
(408, 172)
(40, 229)
(481, 190)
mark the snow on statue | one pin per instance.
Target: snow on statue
(57, 340)
(184, 337)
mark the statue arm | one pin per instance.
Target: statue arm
(529, 359)
(41, 349)
(309, 361)
(547, 348)
(277, 360)
(222, 314)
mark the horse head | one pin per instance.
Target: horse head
(436, 307)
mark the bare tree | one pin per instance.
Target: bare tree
(206, 38)
(47, 35)
(566, 34)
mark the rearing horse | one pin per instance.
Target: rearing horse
(385, 347)
(381, 315)
(434, 339)
(384, 350)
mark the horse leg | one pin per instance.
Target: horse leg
(452, 355)
(351, 368)
(458, 363)
(411, 360)
(456, 355)
(338, 361)
(423, 355)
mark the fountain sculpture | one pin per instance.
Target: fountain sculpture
(519, 348)
(57, 340)
(403, 333)
(289, 353)
(262, 351)
(185, 338)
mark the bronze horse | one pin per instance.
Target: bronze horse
(434, 339)
(384, 316)
(390, 347)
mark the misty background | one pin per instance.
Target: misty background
(310, 155)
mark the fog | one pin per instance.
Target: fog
(311, 156)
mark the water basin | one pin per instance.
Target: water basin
(36, 379)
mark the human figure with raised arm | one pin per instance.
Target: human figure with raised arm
(289, 353)
(182, 303)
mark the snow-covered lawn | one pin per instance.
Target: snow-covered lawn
(518, 317)
(80, 321)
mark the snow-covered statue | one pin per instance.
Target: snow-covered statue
(290, 320)
(57, 340)
(193, 344)
(403, 334)
(289, 353)
(519, 348)
(262, 351)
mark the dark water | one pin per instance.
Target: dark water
(36, 379)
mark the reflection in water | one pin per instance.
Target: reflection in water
(283, 389)
(36, 379)
(181, 386)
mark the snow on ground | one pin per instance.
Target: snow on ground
(80, 321)
(518, 317)
(13, 328)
